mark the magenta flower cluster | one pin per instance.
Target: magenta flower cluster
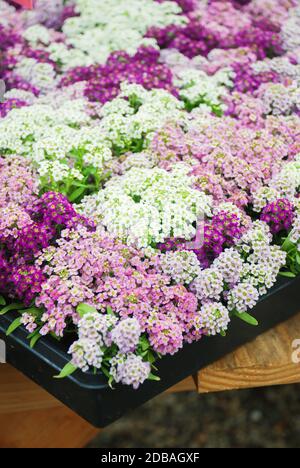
(103, 81)
(28, 225)
(221, 25)
(279, 215)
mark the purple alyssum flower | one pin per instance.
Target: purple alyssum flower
(279, 215)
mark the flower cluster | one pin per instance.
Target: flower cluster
(95, 32)
(65, 152)
(278, 215)
(130, 370)
(89, 267)
(28, 225)
(143, 68)
(147, 206)
(197, 89)
(130, 120)
(181, 265)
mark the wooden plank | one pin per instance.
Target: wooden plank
(48, 428)
(187, 385)
(31, 418)
(18, 393)
(264, 362)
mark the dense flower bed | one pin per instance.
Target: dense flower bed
(149, 171)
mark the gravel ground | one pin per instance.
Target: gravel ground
(260, 418)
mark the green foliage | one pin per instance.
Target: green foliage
(292, 268)
(249, 319)
(69, 369)
(13, 326)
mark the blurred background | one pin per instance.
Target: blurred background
(256, 418)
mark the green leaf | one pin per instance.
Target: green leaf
(77, 194)
(11, 307)
(287, 246)
(287, 274)
(153, 377)
(110, 382)
(34, 339)
(13, 326)
(83, 309)
(151, 358)
(109, 311)
(248, 319)
(105, 372)
(223, 333)
(69, 369)
(32, 311)
(144, 343)
(145, 346)
(2, 300)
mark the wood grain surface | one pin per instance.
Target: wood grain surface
(264, 362)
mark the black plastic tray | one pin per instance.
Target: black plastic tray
(91, 397)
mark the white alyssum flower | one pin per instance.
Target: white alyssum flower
(133, 117)
(230, 264)
(286, 184)
(8, 13)
(55, 140)
(199, 89)
(262, 272)
(290, 30)
(182, 266)
(41, 75)
(85, 354)
(68, 57)
(208, 285)
(280, 65)
(264, 196)
(242, 297)
(213, 318)
(255, 240)
(117, 25)
(147, 206)
(25, 96)
(258, 266)
(37, 34)
(279, 99)
(295, 233)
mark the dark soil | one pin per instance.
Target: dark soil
(260, 418)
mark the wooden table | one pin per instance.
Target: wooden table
(31, 418)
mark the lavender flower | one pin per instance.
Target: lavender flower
(130, 370)
(126, 335)
(213, 318)
(208, 285)
(85, 354)
(242, 297)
